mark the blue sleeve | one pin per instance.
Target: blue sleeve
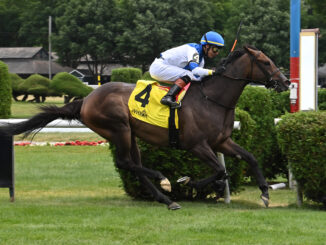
(191, 66)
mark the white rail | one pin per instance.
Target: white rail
(64, 126)
(56, 126)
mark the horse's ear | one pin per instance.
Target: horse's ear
(250, 49)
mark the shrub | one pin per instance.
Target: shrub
(261, 104)
(177, 163)
(36, 85)
(5, 91)
(322, 99)
(302, 137)
(66, 84)
(147, 76)
(127, 75)
(16, 81)
(281, 102)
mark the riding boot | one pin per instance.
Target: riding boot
(169, 98)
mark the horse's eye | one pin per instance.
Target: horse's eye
(267, 63)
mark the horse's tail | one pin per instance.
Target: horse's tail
(49, 113)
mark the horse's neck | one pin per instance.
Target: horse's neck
(224, 90)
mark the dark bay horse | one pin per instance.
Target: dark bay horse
(205, 120)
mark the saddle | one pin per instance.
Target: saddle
(144, 104)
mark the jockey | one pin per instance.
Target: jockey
(185, 63)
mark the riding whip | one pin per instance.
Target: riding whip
(236, 39)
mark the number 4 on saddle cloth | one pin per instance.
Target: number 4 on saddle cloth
(144, 104)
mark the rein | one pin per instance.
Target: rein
(269, 82)
(212, 100)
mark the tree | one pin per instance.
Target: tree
(313, 16)
(10, 22)
(87, 29)
(152, 26)
(265, 25)
(35, 21)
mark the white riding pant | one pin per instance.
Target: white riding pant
(163, 72)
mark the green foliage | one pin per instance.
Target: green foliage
(263, 106)
(135, 32)
(302, 137)
(147, 76)
(5, 91)
(16, 82)
(87, 27)
(281, 102)
(265, 26)
(177, 163)
(322, 98)
(69, 85)
(149, 27)
(36, 85)
(127, 75)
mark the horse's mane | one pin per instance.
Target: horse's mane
(235, 55)
(232, 57)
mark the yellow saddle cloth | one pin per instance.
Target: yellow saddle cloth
(144, 103)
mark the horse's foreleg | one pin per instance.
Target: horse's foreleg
(232, 149)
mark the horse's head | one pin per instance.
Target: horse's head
(263, 70)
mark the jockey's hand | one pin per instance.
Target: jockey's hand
(219, 70)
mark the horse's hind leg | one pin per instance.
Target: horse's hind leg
(158, 196)
(127, 156)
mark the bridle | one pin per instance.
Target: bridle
(268, 82)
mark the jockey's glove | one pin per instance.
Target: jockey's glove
(219, 70)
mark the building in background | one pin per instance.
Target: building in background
(26, 61)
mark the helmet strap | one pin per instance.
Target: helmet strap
(209, 46)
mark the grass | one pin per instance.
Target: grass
(73, 195)
(60, 137)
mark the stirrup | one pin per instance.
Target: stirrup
(176, 106)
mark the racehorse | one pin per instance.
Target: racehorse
(205, 120)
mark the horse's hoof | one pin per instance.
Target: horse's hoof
(166, 185)
(184, 180)
(265, 200)
(174, 206)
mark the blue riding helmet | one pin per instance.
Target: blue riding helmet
(212, 38)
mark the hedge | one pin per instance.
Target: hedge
(16, 81)
(302, 138)
(66, 84)
(177, 163)
(147, 76)
(5, 91)
(127, 75)
(264, 105)
(36, 85)
(322, 99)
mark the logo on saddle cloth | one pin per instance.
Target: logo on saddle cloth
(144, 103)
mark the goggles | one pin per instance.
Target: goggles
(216, 49)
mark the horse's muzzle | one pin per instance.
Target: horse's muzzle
(282, 84)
